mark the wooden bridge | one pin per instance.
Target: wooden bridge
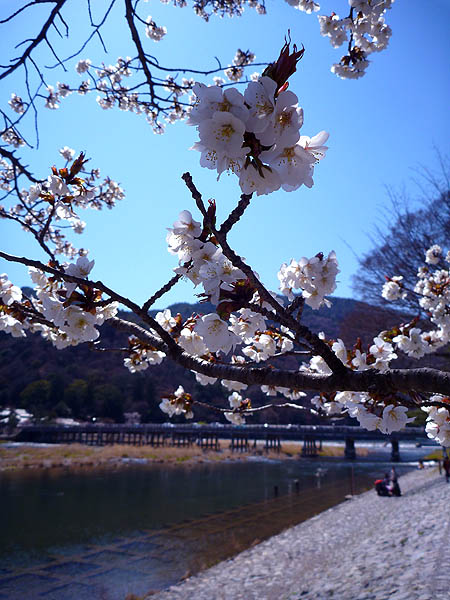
(208, 436)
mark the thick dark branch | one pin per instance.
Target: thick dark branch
(395, 380)
(40, 37)
(235, 214)
(16, 162)
(187, 178)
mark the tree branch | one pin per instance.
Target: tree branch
(394, 380)
(16, 162)
(40, 37)
(129, 14)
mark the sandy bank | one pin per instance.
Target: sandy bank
(18, 457)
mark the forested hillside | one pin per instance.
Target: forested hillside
(83, 382)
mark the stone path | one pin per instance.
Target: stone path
(368, 548)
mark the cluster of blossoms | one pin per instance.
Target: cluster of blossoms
(201, 261)
(256, 135)
(438, 421)
(242, 59)
(17, 104)
(7, 175)
(50, 207)
(393, 288)
(370, 414)
(141, 355)
(9, 294)
(433, 288)
(62, 314)
(307, 6)
(239, 406)
(12, 137)
(154, 32)
(315, 276)
(230, 8)
(367, 30)
(378, 356)
(178, 403)
(109, 82)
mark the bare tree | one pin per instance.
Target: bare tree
(410, 226)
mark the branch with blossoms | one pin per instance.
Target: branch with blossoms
(50, 208)
(256, 137)
(141, 84)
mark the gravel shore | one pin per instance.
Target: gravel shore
(367, 548)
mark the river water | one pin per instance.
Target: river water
(104, 533)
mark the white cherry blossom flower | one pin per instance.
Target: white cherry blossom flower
(215, 333)
(284, 128)
(251, 181)
(433, 255)
(81, 269)
(210, 99)
(293, 165)
(83, 66)
(67, 153)
(394, 418)
(224, 133)
(235, 400)
(260, 96)
(235, 418)
(383, 352)
(192, 342)
(57, 186)
(236, 386)
(165, 319)
(204, 379)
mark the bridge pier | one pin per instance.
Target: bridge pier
(395, 451)
(309, 448)
(208, 441)
(239, 443)
(272, 443)
(350, 450)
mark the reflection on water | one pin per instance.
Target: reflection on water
(106, 533)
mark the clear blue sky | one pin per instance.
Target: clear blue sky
(382, 129)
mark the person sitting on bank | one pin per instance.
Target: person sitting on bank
(382, 486)
(394, 487)
(446, 465)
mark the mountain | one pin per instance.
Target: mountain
(83, 382)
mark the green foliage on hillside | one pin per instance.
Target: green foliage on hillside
(82, 382)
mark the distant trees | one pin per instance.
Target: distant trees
(35, 397)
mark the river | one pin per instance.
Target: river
(103, 534)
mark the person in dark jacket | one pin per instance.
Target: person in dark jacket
(394, 487)
(446, 465)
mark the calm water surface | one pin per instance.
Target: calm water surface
(105, 533)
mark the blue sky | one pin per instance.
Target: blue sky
(382, 129)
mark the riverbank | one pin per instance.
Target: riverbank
(368, 548)
(28, 456)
